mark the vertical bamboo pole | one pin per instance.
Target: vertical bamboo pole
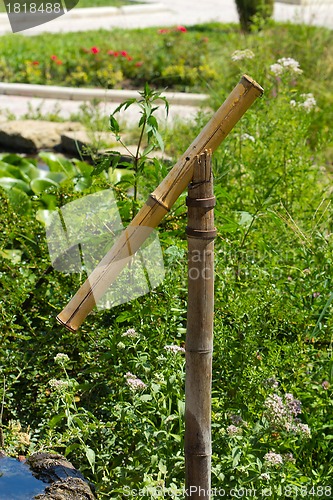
(199, 336)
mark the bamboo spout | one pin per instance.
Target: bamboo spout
(158, 203)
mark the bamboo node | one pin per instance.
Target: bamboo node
(160, 202)
(201, 202)
(205, 234)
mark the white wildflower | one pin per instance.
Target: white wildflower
(247, 137)
(276, 69)
(285, 64)
(130, 333)
(273, 458)
(265, 476)
(58, 384)
(61, 358)
(233, 430)
(290, 64)
(239, 55)
(174, 348)
(309, 103)
(134, 382)
(302, 429)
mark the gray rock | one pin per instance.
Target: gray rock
(30, 136)
(84, 142)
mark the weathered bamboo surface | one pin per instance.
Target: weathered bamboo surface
(158, 203)
(199, 333)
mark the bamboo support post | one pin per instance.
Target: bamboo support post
(158, 204)
(199, 334)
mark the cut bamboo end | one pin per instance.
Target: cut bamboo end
(253, 83)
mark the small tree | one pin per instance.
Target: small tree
(251, 10)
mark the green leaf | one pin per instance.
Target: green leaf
(57, 163)
(12, 255)
(7, 170)
(159, 139)
(55, 420)
(40, 185)
(114, 125)
(57, 177)
(90, 454)
(83, 167)
(44, 216)
(9, 183)
(19, 200)
(146, 397)
(70, 448)
(83, 183)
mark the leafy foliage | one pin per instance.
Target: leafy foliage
(273, 308)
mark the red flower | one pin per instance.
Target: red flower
(129, 58)
(35, 63)
(116, 54)
(163, 31)
(124, 53)
(181, 28)
(58, 61)
(94, 50)
(138, 64)
(54, 58)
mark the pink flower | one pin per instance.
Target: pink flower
(182, 29)
(54, 58)
(94, 50)
(163, 31)
(138, 64)
(124, 53)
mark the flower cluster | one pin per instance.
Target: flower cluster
(134, 382)
(166, 31)
(233, 430)
(174, 349)
(282, 414)
(58, 385)
(247, 137)
(309, 102)
(239, 55)
(285, 65)
(130, 333)
(61, 358)
(272, 459)
(56, 60)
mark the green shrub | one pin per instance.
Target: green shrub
(253, 12)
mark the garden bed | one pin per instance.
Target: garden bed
(111, 397)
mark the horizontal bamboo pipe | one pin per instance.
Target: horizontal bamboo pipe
(158, 204)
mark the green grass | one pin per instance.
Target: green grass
(273, 287)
